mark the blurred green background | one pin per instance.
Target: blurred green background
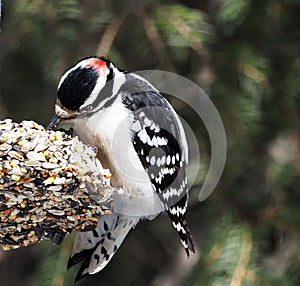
(246, 56)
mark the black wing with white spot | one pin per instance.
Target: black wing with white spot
(158, 141)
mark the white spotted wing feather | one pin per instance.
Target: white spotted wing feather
(96, 248)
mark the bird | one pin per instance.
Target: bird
(140, 139)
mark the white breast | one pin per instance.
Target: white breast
(109, 131)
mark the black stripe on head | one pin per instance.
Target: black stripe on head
(77, 87)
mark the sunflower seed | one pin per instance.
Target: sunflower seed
(56, 212)
(31, 155)
(49, 165)
(16, 155)
(32, 163)
(42, 146)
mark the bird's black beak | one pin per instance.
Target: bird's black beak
(54, 121)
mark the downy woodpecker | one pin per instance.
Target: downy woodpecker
(140, 139)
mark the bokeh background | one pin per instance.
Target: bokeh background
(246, 56)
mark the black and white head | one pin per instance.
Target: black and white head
(79, 88)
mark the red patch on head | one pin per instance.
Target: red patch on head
(97, 64)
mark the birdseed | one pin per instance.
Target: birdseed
(50, 183)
